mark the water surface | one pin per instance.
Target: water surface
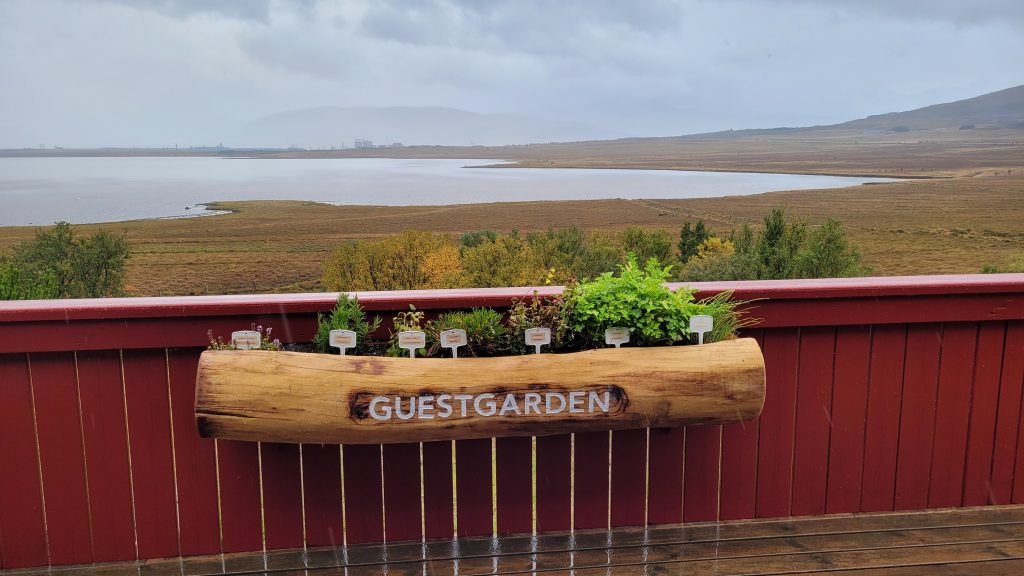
(40, 191)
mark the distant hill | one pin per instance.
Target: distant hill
(995, 110)
(337, 126)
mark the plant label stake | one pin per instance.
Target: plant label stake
(453, 339)
(245, 340)
(700, 324)
(343, 340)
(411, 340)
(616, 336)
(538, 337)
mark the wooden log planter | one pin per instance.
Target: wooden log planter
(311, 398)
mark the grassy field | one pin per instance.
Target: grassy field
(964, 209)
(947, 225)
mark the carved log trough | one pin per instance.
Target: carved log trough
(312, 398)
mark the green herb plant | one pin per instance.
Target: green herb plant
(638, 299)
(486, 335)
(536, 312)
(266, 342)
(409, 320)
(346, 315)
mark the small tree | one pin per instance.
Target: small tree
(690, 240)
(646, 244)
(81, 268)
(828, 254)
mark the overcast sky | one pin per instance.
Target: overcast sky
(160, 72)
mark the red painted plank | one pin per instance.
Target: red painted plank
(438, 512)
(514, 465)
(1013, 376)
(238, 469)
(849, 415)
(775, 436)
(282, 495)
(882, 430)
(554, 483)
(700, 485)
(738, 497)
(917, 416)
(629, 471)
(149, 433)
(473, 487)
(665, 484)
(813, 420)
(952, 415)
(321, 474)
(984, 402)
(22, 531)
(364, 516)
(55, 386)
(402, 519)
(195, 463)
(1008, 415)
(106, 448)
(591, 480)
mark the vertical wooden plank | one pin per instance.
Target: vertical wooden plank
(195, 462)
(554, 478)
(629, 477)
(665, 483)
(321, 483)
(282, 495)
(882, 430)
(700, 485)
(22, 527)
(473, 487)
(55, 387)
(917, 416)
(813, 420)
(438, 496)
(106, 447)
(590, 480)
(238, 471)
(1013, 376)
(149, 434)
(849, 414)
(1008, 415)
(952, 415)
(984, 402)
(513, 471)
(364, 501)
(775, 437)
(402, 517)
(738, 497)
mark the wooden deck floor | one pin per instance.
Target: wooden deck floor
(976, 541)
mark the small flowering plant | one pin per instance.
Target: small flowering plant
(266, 343)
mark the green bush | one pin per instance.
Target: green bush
(690, 240)
(88, 267)
(537, 312)
(346, 315)
(638, 299)
(16, 284)
(486, 335)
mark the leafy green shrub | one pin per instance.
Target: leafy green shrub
(407, 321)
(16, 284)
(638, 299)
(486, 335)
(89, 267)
(347, 315)
(645, 244)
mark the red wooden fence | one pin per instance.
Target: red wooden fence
(883, 394)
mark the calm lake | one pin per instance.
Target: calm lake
(40, 191)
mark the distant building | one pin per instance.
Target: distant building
(364, 143)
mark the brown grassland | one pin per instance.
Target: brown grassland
(966, 208)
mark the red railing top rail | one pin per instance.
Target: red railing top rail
(255, 304)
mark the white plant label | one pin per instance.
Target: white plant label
(700, 324)
(616, 336)
(245, 340)
(538, 337)
(343, 340)
(411, 340)
(453, 339)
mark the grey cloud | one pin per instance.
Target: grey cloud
(257, 10)
(957, 12)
